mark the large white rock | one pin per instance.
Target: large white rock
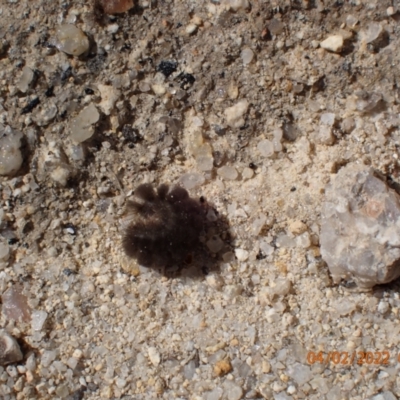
(360, 227)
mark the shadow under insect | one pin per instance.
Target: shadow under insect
(167, 229)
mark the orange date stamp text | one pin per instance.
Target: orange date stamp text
(350, 358)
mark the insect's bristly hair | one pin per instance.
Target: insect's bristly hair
(177, 194)
(165, 227)
(162, 191)
(145, 192)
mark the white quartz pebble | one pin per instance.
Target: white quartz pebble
(71, 40)
(82, 126)
(228, 172)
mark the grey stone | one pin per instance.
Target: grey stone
(9, 349)
(360, 227)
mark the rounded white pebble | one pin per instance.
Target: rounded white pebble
(241, 255)
(191, 28)
(4, 251)
(266, 148)
(26, 79)
(10, 154)
(227, 172)
(77, 353)
(191, 180)
(247, 173)
(81, 126)
(234, 115)
(154, 356)
(328, 119)
(237, 4)
(333, 43)
(72, 40)
(390, 11)
(38, 319)
(247, 56)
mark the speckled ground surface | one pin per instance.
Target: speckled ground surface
(162, 78)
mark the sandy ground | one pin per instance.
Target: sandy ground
(261, 113)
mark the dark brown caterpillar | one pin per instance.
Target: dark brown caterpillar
(165, 227)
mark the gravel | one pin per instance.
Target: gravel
(246, 105)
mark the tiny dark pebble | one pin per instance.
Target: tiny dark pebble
(126, 47)
(186, 80)
(130, 134)
(97, 63)
(167, 67)
(293, 189)
(79, 394)
(89, 91)
(66, 74)
(30, 106)
(260, 255)
(49, 92)
(219, 130)
(68, 271)
(252, 166)
(12, 241)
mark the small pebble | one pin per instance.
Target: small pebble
(266, 148)
(247, 173)
(38, 319)
(222, 367)
(25, 79)
(236, 5)
(348, 124)
(297, 227)
(15, 304)
(372, 33)
(327, 119)
(4, 251)
(191, 180)
(234, 115)
(241, 255)
(82, 126)
(390, 11)
(72, 40)
(112, 29)
(247, 56)
(116, 6)
(275, 26)
(228, 172)
(351, 21)
(191, 28)
(10, 351)
(154, 356)
(333, 43)
(10, 154)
